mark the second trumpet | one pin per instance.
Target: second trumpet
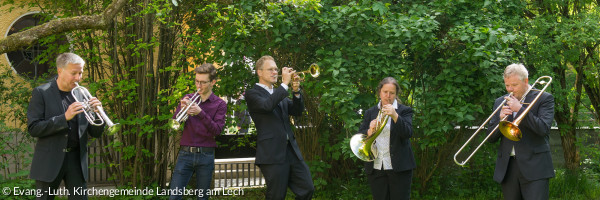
(182, 115)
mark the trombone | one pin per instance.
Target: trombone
(508, 129)
(511, 129)
(89, 112)
(182, 115)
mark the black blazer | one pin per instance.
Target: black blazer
(400, 133)
(46, 121)
(270, 113)
(533, 150)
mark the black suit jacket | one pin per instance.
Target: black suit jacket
(46, 121)
(400, 133)
(533, 150)
(270, 113)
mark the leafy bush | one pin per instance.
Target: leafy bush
(575, 185)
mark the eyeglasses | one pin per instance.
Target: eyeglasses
(272, 70)
(202, 82)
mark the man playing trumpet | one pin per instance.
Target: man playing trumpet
(53, 117)
(277, 153)
(206, 119)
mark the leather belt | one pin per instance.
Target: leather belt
(198, 149)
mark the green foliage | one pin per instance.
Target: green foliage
(15, 143)
(474, 181)
(318, 169)
(575, 185)
(355, 187)
(15, 151)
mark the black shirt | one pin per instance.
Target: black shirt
(73, 135)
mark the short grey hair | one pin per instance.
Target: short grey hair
(516, 69)
(65, 59)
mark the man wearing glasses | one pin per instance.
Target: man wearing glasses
(277, 153)
(206, 120)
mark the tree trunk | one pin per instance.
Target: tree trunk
(62, 25)
(570, 151)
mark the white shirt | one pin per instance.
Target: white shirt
(270, 89)
(512, 152)
(382, 145)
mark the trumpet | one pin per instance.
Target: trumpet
(361, 145)
(313, 70)
(508, 129)
(94, 118)
(182, 115)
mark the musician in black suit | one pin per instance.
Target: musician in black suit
(54, 119)
(390, 173)
(277, 153)
(524, 167)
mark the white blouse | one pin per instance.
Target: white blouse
(382, 145)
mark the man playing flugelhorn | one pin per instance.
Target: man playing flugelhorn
(53, 117)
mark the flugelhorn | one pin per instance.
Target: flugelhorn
(361, 145)
(508, 129)
(182, 115)
(94, 118)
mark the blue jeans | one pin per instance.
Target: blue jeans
(202, 163)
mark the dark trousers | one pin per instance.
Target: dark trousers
(515, 186)
(388, 184)
(294, 174)
(71, 173)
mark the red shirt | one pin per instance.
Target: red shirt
(200, 130)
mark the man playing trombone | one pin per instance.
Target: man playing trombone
(53, 117)
(205, 116)
(277, 153)
(523, 167)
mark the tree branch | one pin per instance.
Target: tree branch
(31, 36)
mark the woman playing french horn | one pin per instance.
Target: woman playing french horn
(390, 172)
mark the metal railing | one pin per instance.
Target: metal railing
(237, 172)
